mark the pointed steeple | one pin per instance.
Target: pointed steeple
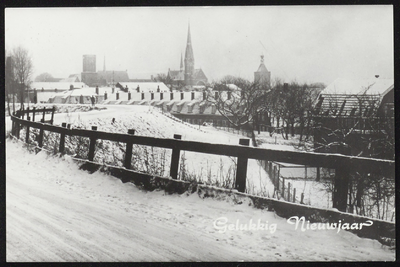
(189, 49)
(181, 63)
(189, 60)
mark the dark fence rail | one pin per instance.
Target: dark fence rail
(341, 163)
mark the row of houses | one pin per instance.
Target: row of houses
(363, 107)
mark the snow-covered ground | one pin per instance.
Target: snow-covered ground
(210, 169)
(148, 121)
(55, 212)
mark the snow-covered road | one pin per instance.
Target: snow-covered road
(56, 212)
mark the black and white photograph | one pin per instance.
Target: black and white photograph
(200, 134)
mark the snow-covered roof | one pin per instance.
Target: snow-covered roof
(88, 91)
(232, 86)
(376, 86)
(70, 80)
(145, 86)
(56, 85)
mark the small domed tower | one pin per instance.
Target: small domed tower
(262, 75)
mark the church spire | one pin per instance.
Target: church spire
(189, 60)
(189, 49)
(181, 63)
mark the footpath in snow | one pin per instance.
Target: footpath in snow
(55, 212)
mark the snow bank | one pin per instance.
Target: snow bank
(59, 213)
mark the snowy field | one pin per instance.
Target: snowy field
(57, 213)
(148, 121)
(207, 168)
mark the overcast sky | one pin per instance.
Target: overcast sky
(303, 43)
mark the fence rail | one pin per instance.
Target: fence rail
(341, 163)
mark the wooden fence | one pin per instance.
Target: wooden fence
(282, 187)
(341, 163)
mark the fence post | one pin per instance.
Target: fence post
(27, 132)
(40, 141)
(283, 188)
(274, 174)
(175, 159)
(288, 192)
(62, 139)
(279, 173)
(302, 198)
(318, 174)
(294, 195)
(241, 171)
(13, 128)
(52, 115)
(92, 143)
(341, 183)
(34, 111)
(27, 114)
(128, 153)
(44, 112)
(17, 129)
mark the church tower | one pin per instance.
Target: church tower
(189, 60)
(262, 75)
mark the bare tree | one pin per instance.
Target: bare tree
(352, 121)
(10, 85)
(23, 68)
(44, 77)
(291, 103)
(239, 101)
(161, 77)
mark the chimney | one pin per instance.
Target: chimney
(376, 76)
